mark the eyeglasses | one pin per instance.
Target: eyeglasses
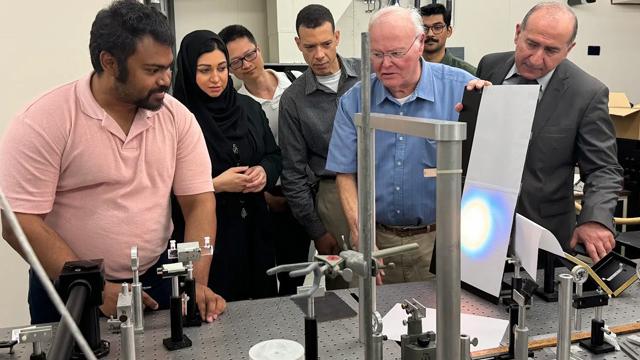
(250, 56)
(396, 54)
(436, 28)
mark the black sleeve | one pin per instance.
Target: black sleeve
(272, 160)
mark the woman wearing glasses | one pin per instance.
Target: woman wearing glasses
(245, 160)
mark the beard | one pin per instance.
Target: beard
(127, 94)
(147, 103)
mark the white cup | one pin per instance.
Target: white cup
(277, 349)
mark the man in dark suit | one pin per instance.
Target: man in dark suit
(571, 125)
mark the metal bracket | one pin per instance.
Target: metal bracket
(189, 251)
(172, 269)
(32, 334)
(414, 309)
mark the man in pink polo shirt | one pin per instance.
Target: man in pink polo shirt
(89, 166)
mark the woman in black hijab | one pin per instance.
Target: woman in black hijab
(245, 162)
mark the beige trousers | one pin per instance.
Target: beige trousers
(332, 216)
(331, 213)
(410, 266)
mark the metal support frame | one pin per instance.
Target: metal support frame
(366, 201)
(449, 136)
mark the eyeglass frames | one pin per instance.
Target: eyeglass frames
(435, 28)
(250, 56)
(396, 54)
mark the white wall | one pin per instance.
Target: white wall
(480, 26)
(489, 26)
(45, 43)
(216, 14)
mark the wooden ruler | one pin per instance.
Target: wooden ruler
(553, 341)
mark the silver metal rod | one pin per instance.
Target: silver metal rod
(440, 130)
(448, 188)
(190, 270)
(521, 335)
(377, 352)
(395, 250)
(138, 312)
(564, 318)
(136, 277)
(598, 316)
(311, 307)
(175, 286)
(577, 313)
(127, 341)
(361, 309)
(35, 264)
(521, 347)
(522, 316)
(136, 290)
(37, 348)
(465, 347)
(366, 198)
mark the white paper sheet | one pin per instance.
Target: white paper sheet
(526, 244)
(549, 243)
(501, 139)
(489, 331)
(502, 133)
(528, 238)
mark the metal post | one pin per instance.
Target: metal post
(377, 340)
(465, 347)
(598, 313)
(37, 348)
(311, 307)
(127, 341)
(175, 287)
(522, 343)
(578, 312)
(62, 344)
(580, 276)
(564, 329)
(138, 312)
(136, 290)
(521, 335)
(366, 200)
(448, 188)
(522, 316)
(125, 310)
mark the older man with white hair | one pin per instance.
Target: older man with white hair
(403, 84)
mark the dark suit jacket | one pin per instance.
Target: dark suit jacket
(571, 125)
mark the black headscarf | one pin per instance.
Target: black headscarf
(223, 121)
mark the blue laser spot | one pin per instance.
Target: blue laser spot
(484, 215)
